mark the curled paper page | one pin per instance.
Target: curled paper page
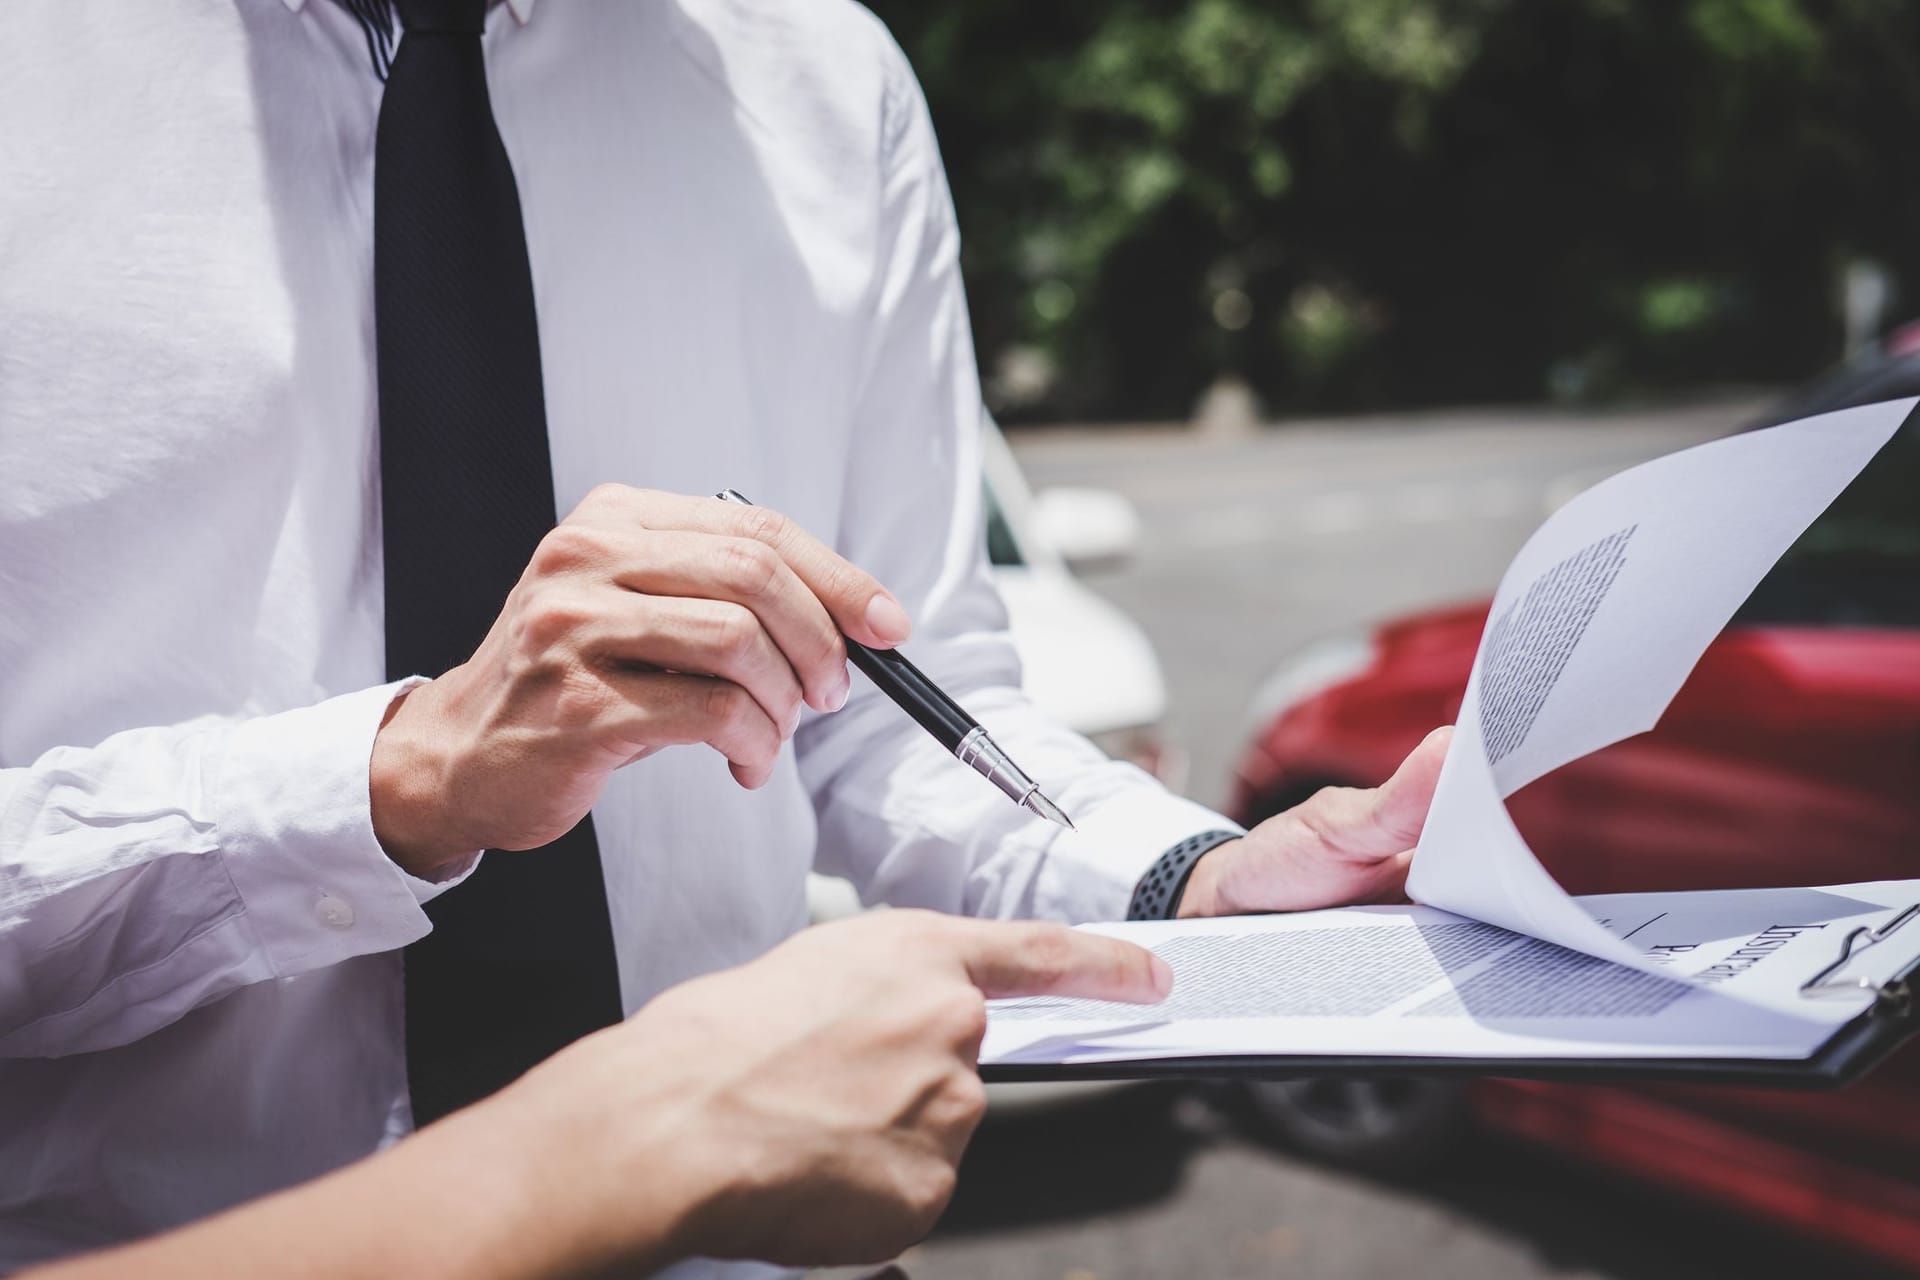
(1595, 627)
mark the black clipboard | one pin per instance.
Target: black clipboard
(1854, 1049)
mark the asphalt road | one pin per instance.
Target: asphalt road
(1253, 547)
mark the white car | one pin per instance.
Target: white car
(1086, 663)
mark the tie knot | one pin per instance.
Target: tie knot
(460, 17)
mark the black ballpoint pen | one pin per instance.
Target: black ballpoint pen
(944, 718)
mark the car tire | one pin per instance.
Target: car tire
(1393, 1126)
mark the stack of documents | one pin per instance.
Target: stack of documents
(1594, 628)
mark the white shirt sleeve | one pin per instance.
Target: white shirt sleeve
(898, 815)
(166, 867)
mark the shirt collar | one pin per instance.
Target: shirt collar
(522, 9)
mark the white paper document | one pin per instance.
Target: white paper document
(1594, 627)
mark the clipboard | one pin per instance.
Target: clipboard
(1854, 1049)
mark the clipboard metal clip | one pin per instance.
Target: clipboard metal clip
(1894, 998)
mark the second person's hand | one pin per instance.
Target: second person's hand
(809, 1108)
(1343, 845)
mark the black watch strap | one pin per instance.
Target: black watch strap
(1157, 896)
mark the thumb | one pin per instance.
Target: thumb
(1400, 803)
(1030, 959)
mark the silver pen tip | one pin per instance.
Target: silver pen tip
(1048, 809)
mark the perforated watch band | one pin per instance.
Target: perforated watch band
(1157, 896)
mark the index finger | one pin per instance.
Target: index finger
(1032, 959)
(861, 607)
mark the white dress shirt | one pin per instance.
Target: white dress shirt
(745, 265)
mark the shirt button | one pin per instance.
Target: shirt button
(335, 913)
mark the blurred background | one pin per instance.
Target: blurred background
(1371, 204)
(1299, 316)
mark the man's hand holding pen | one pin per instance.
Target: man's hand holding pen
(645, 620)
(652, 619)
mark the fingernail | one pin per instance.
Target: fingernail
(837, 696)
(888, 619)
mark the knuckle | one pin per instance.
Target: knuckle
(606, 495)
(965, 1014)
(925, 1191)
(551, 618)
(1328, 812)
(721, 701)
(789, 718)
(1048, 954)
(581, 697)
(750, 567)
(735, 632)
(820, 652)
(565, 548)
(764, 525)
(938, 1188)
(970, 1092)
(847, 583)
(834, 648)
(763, 745)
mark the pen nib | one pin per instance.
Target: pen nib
(1048, 809)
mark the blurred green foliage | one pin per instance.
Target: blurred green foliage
(1365, 203)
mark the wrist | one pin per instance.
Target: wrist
(597, 1193)
(1202, 895)
(406, 779)
(1165, 891)
(523, 1206)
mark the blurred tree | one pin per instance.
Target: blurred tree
(1359, 203)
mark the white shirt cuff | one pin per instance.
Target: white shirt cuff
(1090, 873)
(425, 891)
(292, 809)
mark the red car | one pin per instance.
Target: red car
(1791, 757)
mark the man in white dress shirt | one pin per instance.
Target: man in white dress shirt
(219, 819)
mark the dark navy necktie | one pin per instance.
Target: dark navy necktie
(520, 961)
